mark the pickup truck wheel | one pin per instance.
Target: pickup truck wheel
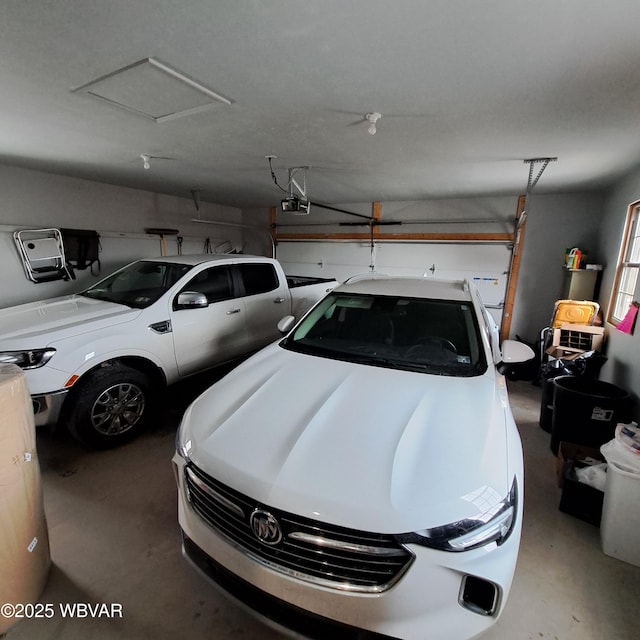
(110, 407)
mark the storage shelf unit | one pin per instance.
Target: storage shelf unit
(580, 284)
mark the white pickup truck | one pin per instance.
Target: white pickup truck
(94, 359)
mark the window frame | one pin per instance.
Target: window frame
(630, 242)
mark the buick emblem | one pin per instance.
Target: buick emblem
(265, 527)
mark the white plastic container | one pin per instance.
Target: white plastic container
(620, 524)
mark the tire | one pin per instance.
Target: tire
(110, 407)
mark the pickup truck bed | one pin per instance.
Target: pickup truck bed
(301, 281)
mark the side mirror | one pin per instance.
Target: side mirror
(286, 323)
(192, 300)
(513, 353)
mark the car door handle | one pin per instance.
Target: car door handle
(232, 311)
(279, 300)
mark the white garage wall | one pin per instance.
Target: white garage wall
(555, 222)
(33, 200)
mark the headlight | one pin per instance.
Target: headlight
(495, 525)
(183, 443)
(27, 359)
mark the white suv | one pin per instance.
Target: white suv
(364, 473)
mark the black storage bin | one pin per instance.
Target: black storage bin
(579, 499)
(586, 411)
(546, 404)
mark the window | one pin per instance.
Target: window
(628, 266)
(215, 283)
(258, 278)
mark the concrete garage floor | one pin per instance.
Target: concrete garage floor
(114, 539)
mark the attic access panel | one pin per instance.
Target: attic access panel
(154, 90)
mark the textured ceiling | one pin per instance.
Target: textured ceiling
(467, 90)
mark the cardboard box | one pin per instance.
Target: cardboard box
(24, 541)
(579, 499)
(577, 338)
(562, 354)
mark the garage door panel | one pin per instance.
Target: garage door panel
(485, 264)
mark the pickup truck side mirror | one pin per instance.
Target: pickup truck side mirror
(192, 300)
(514, 353)
(286, 323)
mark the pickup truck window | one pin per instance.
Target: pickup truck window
(258, 278)
(139, 284)
(430, 336)
(216, 283)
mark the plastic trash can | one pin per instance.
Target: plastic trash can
(586, 411)
(620, 523)
(587, 365)
(546, 405)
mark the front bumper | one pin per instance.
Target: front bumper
(427, 602)
(47, 407)
(272, 611)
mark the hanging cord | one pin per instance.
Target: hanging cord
(207, 246)
(195, 195)
(273, 176)
(372, 266)
(179, 243)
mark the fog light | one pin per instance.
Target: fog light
(479, 596)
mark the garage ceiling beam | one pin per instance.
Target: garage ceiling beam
(426, 237)
(374, 222)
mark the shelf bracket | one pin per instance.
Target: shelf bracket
(532, 182)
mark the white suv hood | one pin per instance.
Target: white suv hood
(354, 445)
(57, 318)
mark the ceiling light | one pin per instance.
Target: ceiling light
(372, 118)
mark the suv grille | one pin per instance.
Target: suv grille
(309, 550)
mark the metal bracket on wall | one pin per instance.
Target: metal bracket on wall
(532, 182)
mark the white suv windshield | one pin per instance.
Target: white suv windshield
(431, 336)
